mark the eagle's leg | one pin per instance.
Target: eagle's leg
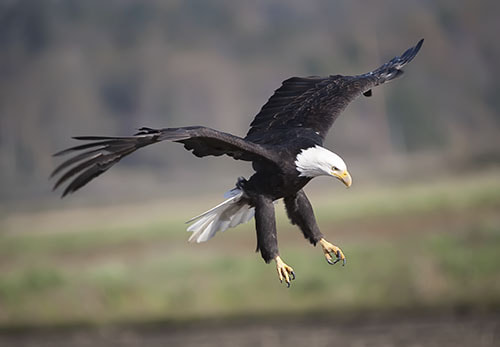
(300, 212)
(267, 241)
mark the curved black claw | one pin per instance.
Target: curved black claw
(338, 257)
(331, 251)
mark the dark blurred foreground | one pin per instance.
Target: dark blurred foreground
(395, 330)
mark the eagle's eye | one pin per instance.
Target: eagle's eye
(334, 168)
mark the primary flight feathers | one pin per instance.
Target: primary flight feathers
(105, 151)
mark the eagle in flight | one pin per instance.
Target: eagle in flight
(284, 145)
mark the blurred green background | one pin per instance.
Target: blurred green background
(411, 247)
(420, 226)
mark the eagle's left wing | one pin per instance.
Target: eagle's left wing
(101, 152)
(313, 103)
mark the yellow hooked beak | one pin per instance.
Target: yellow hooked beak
(345, 177)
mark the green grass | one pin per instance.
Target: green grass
(447, 256)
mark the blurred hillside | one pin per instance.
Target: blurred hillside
(92, 67)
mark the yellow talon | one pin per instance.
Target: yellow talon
(329, 249)
(285, 272)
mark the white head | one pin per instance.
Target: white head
(318, 161)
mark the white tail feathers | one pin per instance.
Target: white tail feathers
(227, 214)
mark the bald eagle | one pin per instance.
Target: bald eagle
(284, 145)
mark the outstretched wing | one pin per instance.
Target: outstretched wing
(102, 152)
(314, 103)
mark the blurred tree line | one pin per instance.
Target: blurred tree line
(72, 67)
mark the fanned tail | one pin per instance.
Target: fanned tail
(228, 214)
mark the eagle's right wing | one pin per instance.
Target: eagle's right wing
(101, 152)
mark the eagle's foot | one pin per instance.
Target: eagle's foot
(285, 272)
(331, 251)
